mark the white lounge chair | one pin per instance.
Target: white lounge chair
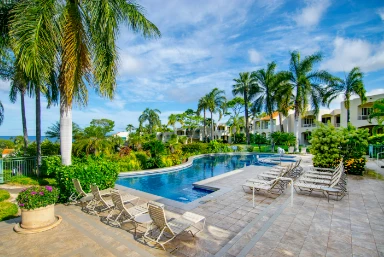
(163, 231)
(291, 149)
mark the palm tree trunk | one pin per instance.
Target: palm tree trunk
(281, 124)
(246, 117)
(38, 129)
(65, 131)
(204, 132)
(272, 143)
(297, 132)
(174, 129)
(24, 120)
(211, 127)
(348, 115)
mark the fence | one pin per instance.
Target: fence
(10, 167)
(374, 150)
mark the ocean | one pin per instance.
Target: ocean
(30, 138)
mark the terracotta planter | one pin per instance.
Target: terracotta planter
(38, 218)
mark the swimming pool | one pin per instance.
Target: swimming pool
(177, 185)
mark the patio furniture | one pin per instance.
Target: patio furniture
(333, 191)
(123, 213)
(169, 229)
(81, 195)
(291, 150)
(144, 220)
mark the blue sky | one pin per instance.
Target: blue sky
(205, 44)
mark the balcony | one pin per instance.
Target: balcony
(337, 125)
(363, 117)
(308, 125)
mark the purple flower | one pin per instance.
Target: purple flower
(21, 204)
(23, 190)
(41, 193)
(33, 193)
(49, 188)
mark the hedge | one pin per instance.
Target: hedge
(7, 210)
(4, 195)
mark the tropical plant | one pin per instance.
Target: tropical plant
(203, 106)
(285, 102)
(216, 104)
(36, 197)
(152, 117)
(191, 122)
(259, 140)
(352, 84)
(130, 128)
(235, 123)
(308, 86)
(54, 130)
(1, 113)
(237, 105)
(246, 87)
(378, 114)
(83, 35)
(269, 85)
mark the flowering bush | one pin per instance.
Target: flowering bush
(36, 197)
(355, 166)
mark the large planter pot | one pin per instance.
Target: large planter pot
(38, 218)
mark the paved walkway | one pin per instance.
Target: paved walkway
(353, 226)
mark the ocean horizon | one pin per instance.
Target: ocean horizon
(30, 138)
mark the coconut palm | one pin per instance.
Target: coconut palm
(352, 84)
(152, 117)
(285, 103)
(1, 113)
(202, 107)
(216, 104)
(377, 114)
(246, 87)
(269, 84)
(54, 131)
(235, 122)
(83, 34)
(130, 128)
(308, 86)
(172, 120)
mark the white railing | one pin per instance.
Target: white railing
(308, 125)
(337, 125)
(363, 117)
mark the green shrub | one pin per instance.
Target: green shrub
(283, 138)
(216, 147)
(24, 180)
(250, 149)
(97, 171)
(129, 163)
(47, 148)
(49, 165)
(7, 210)
(355, 166)
(36, 197)
(155, 147)
(195, 148)
(4, 195)
(376, 139)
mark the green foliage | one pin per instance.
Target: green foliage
(49, 164)
(24, 180)
(250, 149)
(36, 197)
(89, 171)
(47, 148)
(129, 163)
(283, 138)
(326, 141)
(376, 139)
(4, 195)
(195, 148)
(155, 147)
(355, 166)
(8, 210)
(356, 142)
(6, 144)
(216, 147)
(239, 138)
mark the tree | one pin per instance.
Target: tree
(152, 117)
(130, 128)
(245, 86)
(203, 106)
(269, 84)
(191, 121)
(83, 35)
(173, 119)
(237, 105)
(235, 123)
(378, 114)
(54, 130)
(285, 103)
(352, 84)
(1, 113)
(216, 104)
(308, 86)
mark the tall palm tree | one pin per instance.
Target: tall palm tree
(83, 34)
(130, 128)
(216, 104)
(269, 84)
(203, 106)
(285, 103)
(235, 122)
(246, 87)
(152, 117)
(172, 119)
(308, 85)
(54, 131)
(352, 84)
(1, 113)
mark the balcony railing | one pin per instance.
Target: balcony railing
(308, 125)
(337, 125)
(363, 117)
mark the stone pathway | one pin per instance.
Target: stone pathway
(353, 226)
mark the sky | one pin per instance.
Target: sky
(206, 44)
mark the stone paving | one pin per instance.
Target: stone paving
(353, 226)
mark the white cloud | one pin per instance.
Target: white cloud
(349, 53)
(254, 56)
(310, 15)
(4, 85)
(380, 12)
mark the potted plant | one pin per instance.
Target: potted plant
(37, 206)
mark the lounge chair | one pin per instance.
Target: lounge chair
(124, 214)
(291, 150)
(99, 202)
(169, 229)
(270, 187)
(81, 196)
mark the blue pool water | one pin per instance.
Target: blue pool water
(178, 185)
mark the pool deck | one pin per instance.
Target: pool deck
(353, 226)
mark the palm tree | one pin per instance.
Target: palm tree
(377, 114)
(83, 34)
(269, 84)
(203, 106)
(285, 103)
(216, 104)
(1, 113)
(152, 117)
(246, 87)
(352, 84)
(54, 131)
(235, 123)
(130, 128)
(172, 119)
(308, 86)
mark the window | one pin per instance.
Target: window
(308, 121)
(325, 120)
(337, 119)
(366, 111)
